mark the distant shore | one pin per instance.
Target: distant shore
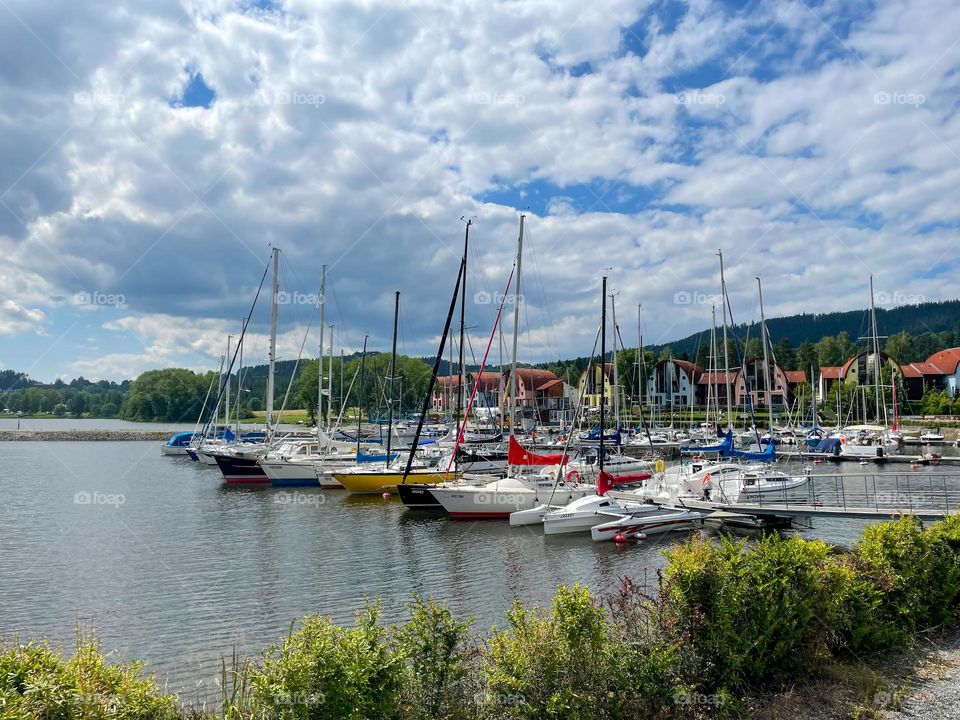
(83, 435)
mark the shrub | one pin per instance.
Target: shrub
(36, 682)
(553, 665)
(439, 682)
(751, 613)
(921, 570)
(323, 671)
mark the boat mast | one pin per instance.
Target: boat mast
(616, 383)
(243, 333)
(765, 338)
(274, 299)
(712, 386)
(363, 366)
(393, 369)
(226, 395)
(603, 368)
(881, 402)
(461, 386)
(428, 397)
(639, 353)
(726, 346)
(330, 379)
(323, 307)
(516, 331)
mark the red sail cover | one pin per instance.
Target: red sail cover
(516, 455)
(606, 481)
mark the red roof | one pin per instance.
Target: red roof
(533, 378)
(911, 371)
(830, 373)
(453, 380)
(795, 376)
(718, 378)
(487, 381)
(946, 361)
(550, 384)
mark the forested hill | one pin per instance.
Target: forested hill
(931, 317)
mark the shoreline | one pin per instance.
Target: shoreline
(83, 435)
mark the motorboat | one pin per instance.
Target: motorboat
(643, 523)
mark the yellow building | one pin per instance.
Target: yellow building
(595, 380)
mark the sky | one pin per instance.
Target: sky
(153, 153)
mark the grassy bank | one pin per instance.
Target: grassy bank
(730, 623)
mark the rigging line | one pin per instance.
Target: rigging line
(541, 296)
(243, 332)
(293, 375)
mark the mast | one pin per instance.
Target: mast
(461, 385)
(393, 369)
(603, 368)
(433, 376)
(516, 330)
(639, 352)
(712, 387)
(243, 333)
(323, 307)
(274, 299)
(765, 338)
(226, 396)
(330, 379)
(363, 365)
(881, 404)
(616, 383)
(726, 347)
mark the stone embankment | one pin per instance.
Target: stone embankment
(84, 435)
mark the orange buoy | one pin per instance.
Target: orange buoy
(618, 538)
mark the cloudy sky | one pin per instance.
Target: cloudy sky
(151, 153)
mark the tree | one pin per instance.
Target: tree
(174, 394)
(900, 347)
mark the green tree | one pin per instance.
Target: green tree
(174, 394)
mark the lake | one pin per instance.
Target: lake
(167, 564)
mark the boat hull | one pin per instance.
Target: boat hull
(286, 474)
(371, 483)
(653, 524)
(481, 504)
(241, 470)
(173, 450)
(418, 497)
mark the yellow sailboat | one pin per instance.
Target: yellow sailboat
(361, 481)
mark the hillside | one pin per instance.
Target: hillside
(931, 317)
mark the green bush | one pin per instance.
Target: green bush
(323, 671)
(441, 679)
(918, 569)
(553, 665)
(36, 683)
(752, 613)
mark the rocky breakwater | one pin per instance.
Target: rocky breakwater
(84, 435)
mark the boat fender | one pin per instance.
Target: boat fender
(619, 538)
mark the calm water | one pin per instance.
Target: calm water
(167, 564)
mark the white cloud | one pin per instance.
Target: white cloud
(356, 134)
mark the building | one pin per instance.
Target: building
(487, 397)
(593, 381)
(673, 383)
(941, 371)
